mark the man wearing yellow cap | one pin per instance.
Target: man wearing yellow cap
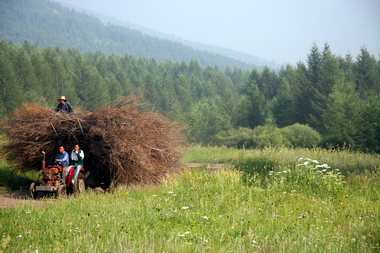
(64, 106)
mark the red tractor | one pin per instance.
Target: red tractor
(55, 182)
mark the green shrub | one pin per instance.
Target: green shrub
(267, 136)
(298, 135)
(235, 138)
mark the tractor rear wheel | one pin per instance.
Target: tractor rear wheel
(80, 185)
(61, 191)
(32, 190)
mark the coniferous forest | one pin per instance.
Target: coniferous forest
(328, 100)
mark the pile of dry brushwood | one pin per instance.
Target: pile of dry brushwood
(124, 145)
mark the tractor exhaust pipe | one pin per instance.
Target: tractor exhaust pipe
(43, 160)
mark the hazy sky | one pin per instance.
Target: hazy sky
(280, 30)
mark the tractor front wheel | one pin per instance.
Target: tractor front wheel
(32, 190)
(80, 185)
(61, 191)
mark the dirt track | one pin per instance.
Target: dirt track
(15, 198)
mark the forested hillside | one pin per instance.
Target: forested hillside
(47, 23)
(329, 100)
(256, 61)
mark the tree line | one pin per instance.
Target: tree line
(332, 99)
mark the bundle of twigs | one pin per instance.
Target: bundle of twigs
(124, 145)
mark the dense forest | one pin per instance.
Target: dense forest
(329, 100)
(48, 23)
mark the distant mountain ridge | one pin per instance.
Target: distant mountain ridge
(196, 45)
(47, 23)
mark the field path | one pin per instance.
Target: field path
(15, 198)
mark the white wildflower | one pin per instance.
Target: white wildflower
(323, 166)
(185, 207)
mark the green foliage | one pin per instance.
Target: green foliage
(237, 138)
(92, 80)
(251, 106)
(207, 118)
(13, 180)
(330, 74)
(268, 135)
(10, 88)
(367, 74)
(298, 135)
(282, 106)
(367, 139)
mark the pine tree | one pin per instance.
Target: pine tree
(206, 119)
(330, 75)
(82, 81)
(10, 88)
(252, 107)
(45, 79)
(26, 77)
(62, 84)
(282, 106)
(268, 84)
(343, 115)
(366, 70)
(313, 66)
(303, 95)
(368, 135)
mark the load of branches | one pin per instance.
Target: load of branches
(121, 145)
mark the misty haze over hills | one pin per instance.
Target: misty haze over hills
(196, 45)
(48, 23)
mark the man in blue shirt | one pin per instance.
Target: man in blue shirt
(64, 106)
(62, 157)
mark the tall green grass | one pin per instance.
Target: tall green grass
(209, 211)
(343, 159)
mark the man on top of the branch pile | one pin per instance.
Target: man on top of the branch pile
(64, 106)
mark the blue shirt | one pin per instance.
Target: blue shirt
(64, 158)
(66, 107)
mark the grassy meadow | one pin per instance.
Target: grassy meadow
(263, 201)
